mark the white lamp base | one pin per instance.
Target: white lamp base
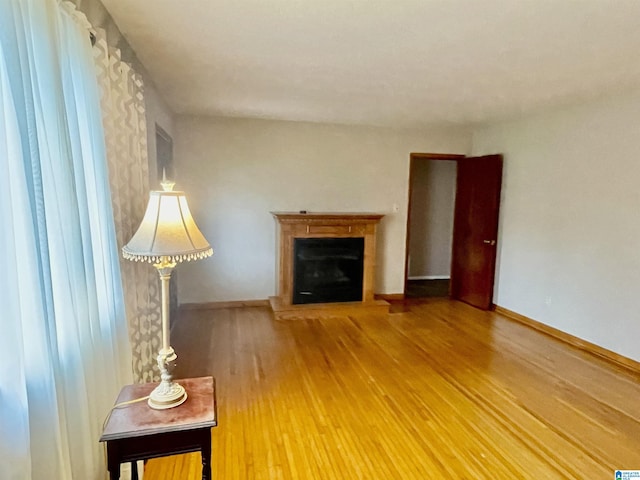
(167, 396)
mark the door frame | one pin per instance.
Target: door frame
(415, 157)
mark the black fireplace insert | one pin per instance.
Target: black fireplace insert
(328, 270)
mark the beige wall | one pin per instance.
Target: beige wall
(569, 254)
(236, 171)
(432, 206)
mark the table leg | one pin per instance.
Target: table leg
(113, 461)
(206, 455)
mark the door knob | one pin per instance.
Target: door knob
(489, 242)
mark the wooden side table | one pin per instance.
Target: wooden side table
(137, 432)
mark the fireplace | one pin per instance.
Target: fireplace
(327, 270)
(325, 260)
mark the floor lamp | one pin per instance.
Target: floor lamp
(167, 236)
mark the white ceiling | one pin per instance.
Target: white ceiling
(401, 63)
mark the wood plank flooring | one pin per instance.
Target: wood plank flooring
(441, 390)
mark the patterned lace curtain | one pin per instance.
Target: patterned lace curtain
(123, 112)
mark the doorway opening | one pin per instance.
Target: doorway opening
(432, 191)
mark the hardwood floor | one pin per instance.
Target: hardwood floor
(441, 390)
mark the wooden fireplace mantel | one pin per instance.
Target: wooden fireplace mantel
(329, 218)
(292, 225)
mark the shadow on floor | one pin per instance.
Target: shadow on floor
(427, 288)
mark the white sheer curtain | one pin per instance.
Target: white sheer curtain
(63, 338)
(123, 112)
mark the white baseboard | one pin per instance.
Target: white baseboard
(430, 277)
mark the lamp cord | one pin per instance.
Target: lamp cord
(122, 404)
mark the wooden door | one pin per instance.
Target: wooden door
(475, 230)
